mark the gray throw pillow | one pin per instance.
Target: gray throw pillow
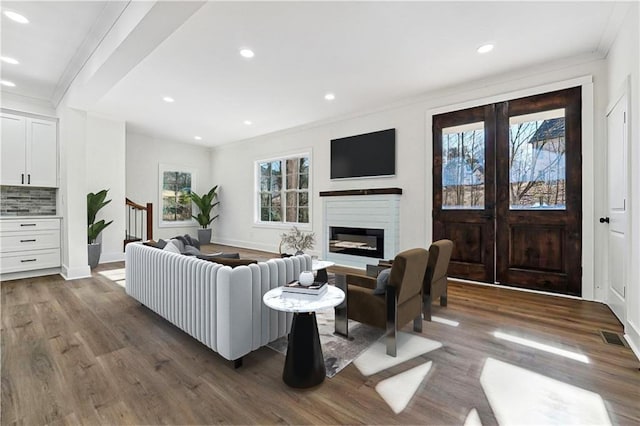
(171, 247)
(178, 244)
(382, 281)
(161, 243)
(191, 251)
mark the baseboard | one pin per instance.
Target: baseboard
(30, 274)
(111, 257)
(632, 336)
(75, 272)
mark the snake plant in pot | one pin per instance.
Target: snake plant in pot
(205, 204)
(94, 203)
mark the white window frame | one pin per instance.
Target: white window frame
(283, 191)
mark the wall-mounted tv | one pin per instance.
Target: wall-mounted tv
(367, 155)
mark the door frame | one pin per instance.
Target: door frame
(624, 90)
(589, 289)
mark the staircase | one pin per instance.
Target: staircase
(139, 222)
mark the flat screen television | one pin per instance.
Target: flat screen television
(367, 155)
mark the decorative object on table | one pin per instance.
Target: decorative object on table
(205, 204)
(297, 240)
(94, 203)
(306, 278)
(315, 289)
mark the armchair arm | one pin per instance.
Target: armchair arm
(361, 281)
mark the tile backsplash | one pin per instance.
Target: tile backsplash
(26, 201)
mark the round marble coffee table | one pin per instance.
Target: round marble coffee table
(304, 365)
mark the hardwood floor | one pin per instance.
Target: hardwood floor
(83, 352)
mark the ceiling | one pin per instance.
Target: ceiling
(369, 54)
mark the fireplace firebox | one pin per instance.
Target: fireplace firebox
(366, 242)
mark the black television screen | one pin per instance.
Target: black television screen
(371, 154)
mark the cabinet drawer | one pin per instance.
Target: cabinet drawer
(28, 225)
(21, 241)
(29, 260)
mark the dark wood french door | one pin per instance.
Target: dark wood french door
(507, 190)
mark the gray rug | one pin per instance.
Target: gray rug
(338, 352)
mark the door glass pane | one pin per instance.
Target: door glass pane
(537, 161)
(463, 166)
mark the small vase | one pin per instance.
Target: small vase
(306, 278)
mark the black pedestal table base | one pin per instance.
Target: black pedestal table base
(304, 366)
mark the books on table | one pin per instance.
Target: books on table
(294, 288)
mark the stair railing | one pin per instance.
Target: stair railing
(137, 217)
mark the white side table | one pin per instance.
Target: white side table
(304, 365)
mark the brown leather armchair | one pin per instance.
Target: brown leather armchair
(400, 304)
(435, 279)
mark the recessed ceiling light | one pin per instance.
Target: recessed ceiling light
(247, 53)
(247, 122)
(7, 83)
(198, 138)
(329, 96)
(485, 48)
(16, 17)
(9, 60)
(168, 99)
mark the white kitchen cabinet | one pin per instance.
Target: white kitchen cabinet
(29, 244)
(29, 151)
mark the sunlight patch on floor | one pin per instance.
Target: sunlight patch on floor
(541, 346)
(522, 397)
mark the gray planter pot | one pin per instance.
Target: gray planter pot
(204, 235)
(95, 250)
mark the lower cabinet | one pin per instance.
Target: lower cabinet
(29, 244)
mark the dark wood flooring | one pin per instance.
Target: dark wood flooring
(83, 352)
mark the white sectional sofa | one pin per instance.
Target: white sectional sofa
(220, 306)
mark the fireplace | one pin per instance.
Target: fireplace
(366, 242)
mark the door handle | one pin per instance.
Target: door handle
(29, 178)
(604, 220)
(22, 178)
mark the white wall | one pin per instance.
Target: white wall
(623, 60)
(144, 154)
(232, 164)
(26, 104)
(105, 159)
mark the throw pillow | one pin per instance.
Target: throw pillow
(192, 241)
(171, 247)
(382, 281)
(161, 243)
(151, 243)
(191, 251)
(178, 244)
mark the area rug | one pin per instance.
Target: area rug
(115, 275)
(338, 351)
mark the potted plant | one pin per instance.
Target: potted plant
(94, 203)
(297, 240)
(205, 204)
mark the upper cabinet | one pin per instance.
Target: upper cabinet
(29, 151)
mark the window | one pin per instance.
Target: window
(283, 190)
(176, 183)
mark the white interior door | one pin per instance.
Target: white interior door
(617, 136)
